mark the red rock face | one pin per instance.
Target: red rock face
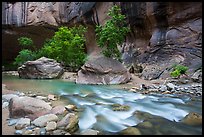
(160, 31)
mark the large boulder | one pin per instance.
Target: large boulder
(28, 106)
(103, 70)
(42, 68)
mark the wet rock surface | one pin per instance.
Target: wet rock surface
(192, 119)
(131, 131)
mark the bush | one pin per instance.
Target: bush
(24, 55)
(25, 41)
(112, 33)
(66, 46)
(178, 70)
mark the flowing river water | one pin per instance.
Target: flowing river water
(164, 112)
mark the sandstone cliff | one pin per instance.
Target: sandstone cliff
(162, 33)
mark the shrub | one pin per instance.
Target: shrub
(178, 70)
(25, 41)
(23, 56)
(66, 46)
(112, 33)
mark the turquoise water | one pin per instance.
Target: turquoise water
(96, 101)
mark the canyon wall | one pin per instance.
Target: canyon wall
(162, 33)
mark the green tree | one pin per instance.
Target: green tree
(26, 42)
(178, 70)
(25, 54)
(66, 46)
(112, 33)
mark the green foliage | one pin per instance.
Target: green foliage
(24, 55)
(112, 33)
(66, 46)
(178, 70)
(25, 41)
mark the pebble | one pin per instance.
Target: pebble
(170, 86)
(18, 132)
(20, 93)
(59, 132)
(133, 90)
(51, 126)
(28, 132)
(13, 121)
(30, 127)
(5, 104)
(42, 120)
(70, 107)
(42, 131)
(32, 95)
(41, 97)
(186, 88)
(163, 88)
(36, 131)
(153, 90)
(51, 97)
(22, 122)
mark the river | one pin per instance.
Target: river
(164, 112)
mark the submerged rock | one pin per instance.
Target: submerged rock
(118, 107)
(103, 70)
(130, 131)
(145, 124)
(43, 68)
(193, 119)
(89, 132)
